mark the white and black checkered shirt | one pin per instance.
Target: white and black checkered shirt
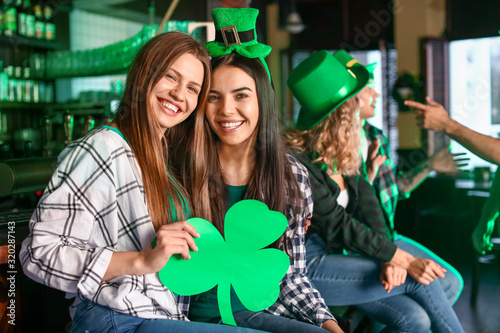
(298, 298)
(94, 205)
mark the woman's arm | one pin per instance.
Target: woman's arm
(442, 161)
(422, 270)
(63, 250)
(85, 229)
(392, 276)
(173, 238)
(367, 208)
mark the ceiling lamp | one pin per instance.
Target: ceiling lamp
(294, 23)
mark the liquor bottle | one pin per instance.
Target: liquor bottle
(11, 82)
(19, 84)
(50, 27)
(10, 18)
(35, 94)
(39, 21)
(28, 85)
(30, 19)
(28, 149)
(2, 19)
(21, 19)
(4, 84)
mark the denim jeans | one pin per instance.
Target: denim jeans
(354, 280)
(93, 318)
(452, 283)
(273, 323)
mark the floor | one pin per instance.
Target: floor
(485, 317)
(448, 235)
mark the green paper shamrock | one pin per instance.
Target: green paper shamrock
(239, 261)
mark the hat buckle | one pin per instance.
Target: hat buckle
(224, 31)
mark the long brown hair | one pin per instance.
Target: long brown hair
(335, 141)
(272, 180)
(136, 120)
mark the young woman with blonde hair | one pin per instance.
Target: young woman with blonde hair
(347, 217)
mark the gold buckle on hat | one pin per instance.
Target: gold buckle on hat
(235, 34)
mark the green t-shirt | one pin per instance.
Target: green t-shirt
(204, 307)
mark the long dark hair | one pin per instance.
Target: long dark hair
(135, 119)
(272, 180)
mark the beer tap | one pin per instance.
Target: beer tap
(88, 124)
(47, 136)
(68, 127)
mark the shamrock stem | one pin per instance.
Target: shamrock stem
(224, 300)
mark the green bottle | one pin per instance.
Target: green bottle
(2, 20)
(30, 19)
(10, 27)
(50, 27)
(39, 21)
(4, 84)
(21, 20)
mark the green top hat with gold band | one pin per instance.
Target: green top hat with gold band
(322, 82)
(235, 32)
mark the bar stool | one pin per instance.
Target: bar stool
(479, 260)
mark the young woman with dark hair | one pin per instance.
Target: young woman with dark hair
(114, 192)
(247, 159)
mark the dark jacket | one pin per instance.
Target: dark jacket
(360, 227)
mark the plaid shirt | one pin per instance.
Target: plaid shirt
(342, 228)
(298, 298)
(95, 205)
(387, 181)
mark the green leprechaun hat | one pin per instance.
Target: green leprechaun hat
(235, 31)
(370, 68)
(322, 82)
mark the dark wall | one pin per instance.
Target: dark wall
(472, 18)
(352, 25)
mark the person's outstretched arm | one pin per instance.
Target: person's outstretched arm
(443, 161)
(435, 117)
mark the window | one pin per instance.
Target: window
(475, 88)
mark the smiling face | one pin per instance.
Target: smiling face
(233, 107)
(175, 96)
(367, 101)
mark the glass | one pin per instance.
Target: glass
(108, 59)
(4, 151)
